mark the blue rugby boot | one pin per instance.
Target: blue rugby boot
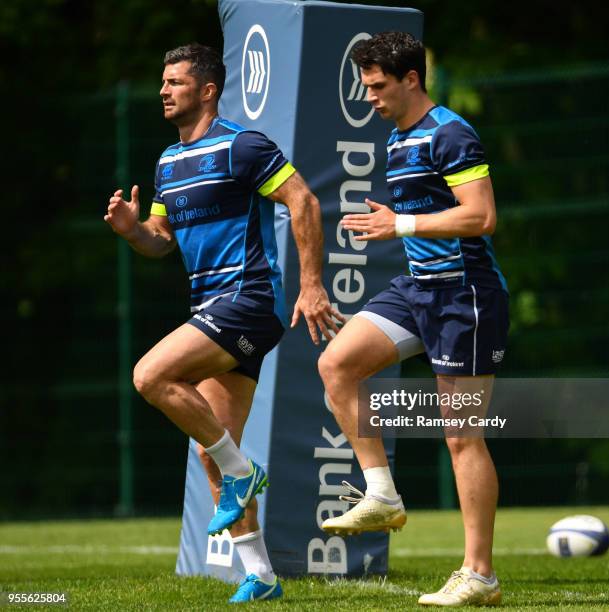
(235, 495)
(253, 588)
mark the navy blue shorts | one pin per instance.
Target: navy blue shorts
(247, 329)
(463, 330)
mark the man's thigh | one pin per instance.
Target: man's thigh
(470, 400)
(362, 348)
(186, 354)
(247, 329)
(390, 311)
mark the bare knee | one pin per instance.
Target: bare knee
(458, 446)
(145, 380)
(331, 368)
(339, 381)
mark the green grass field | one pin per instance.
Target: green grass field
(129, 565)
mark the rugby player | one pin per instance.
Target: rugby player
(209, 202)
(453, 306)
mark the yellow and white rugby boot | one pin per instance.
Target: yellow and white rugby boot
(464, 588)
(369, 514)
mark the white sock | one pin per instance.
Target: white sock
(490, 580)
(228, 457)
(254, 556)
(380, 484)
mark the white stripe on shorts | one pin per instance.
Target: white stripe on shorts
(408, 344)
(475, 329)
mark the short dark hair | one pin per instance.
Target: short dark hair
(396, 53)
(206, 62)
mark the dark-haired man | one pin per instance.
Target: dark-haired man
(209, 201)
(453, 306)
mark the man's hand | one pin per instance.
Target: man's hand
(377, 225)
(123, 216)
(314, 304)
(313, 300)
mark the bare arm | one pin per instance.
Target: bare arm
(313, 300)
(152, 238)
(474, 216)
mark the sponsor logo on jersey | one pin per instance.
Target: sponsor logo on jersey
(191, 214)
(397, 192)
(207, 163)
(255, 71)
(181, 201)
(413, 157)
(351, 91)
(167, 172)
(413, 204)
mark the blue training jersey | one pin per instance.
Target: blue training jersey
(213, 193)
(423, 162)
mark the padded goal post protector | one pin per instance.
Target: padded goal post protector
(289, 75)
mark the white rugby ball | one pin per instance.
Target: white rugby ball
(578, 536)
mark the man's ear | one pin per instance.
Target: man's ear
(209, 92)
(412, 78)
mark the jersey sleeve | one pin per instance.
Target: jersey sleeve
(457, 154)
(258, 163)
(158, 204)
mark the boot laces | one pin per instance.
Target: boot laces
(355, 497)
(456, 582)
